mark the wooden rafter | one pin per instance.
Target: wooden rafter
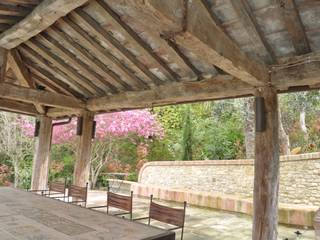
(13, 10)
(34, 23)
(46, 98)
(84, 18)
(135, 37)
(64, 67)
(295, 26)
(3, 65)
(22, 74)
(248, 19)
(214, 46)
(75, 88)
(64, 53)
(102, 53)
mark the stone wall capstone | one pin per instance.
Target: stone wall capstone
(299, 177)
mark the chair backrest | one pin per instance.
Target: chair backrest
(57, 187)
(120, 201)
(78, 192)
(166, 214)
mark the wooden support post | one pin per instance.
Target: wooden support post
(40, 170)
(82, 166)
(266, 174)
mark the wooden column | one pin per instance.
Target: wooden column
(266, 174)
(40, 169)
(82, 166)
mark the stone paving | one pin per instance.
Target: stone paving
(205, 224)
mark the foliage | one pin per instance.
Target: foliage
(187, 135)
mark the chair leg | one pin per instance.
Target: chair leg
(182, 230)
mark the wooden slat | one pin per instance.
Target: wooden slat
(215, 88)
(67, 69)
(4, 63)
(23, 94)
(167, 214)
(249, 22)
(57, 187)
(34, 23)
(43, 82)
(27, 2)
(103, 54)
(295, 26)
(63, 53)
(9, 19)
(83, 18)
(76, 89)
(120, 201)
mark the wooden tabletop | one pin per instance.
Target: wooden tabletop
(25, 216)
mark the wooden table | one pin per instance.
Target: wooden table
(25, 216)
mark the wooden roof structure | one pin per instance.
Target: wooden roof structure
(61, 57)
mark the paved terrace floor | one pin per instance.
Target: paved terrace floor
(205, 224)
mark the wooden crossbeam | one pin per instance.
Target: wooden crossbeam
(13, 10)
(18, 107)
(249, 21)
(14, 92)
(3, 64)
(215, 88)
(43, 16)
(203, 37)
(294, 26)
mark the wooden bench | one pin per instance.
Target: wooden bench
(118, 201)
(78, 194)
(169, 215)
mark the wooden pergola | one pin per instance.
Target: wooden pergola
(62, 58)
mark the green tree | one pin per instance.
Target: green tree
(187, 135)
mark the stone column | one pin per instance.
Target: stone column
(83, 153)
(266, 174)
(40, 170)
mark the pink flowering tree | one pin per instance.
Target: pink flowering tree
(140, 126)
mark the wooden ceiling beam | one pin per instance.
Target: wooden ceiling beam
(14, 92)
(17, 107)
(295, 26)
(13, 10)
(63, 79)
(136, 38)
(81, 80)
(72, 59)
(82, 17)
(42, 16)
(203, 37)
(249, 22)
(3, 64)
(178, 92)
(103, 54)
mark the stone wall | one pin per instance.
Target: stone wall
(299, 177)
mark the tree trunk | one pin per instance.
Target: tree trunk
(266, 172)
(303, 125)
(249, 127)
(284, 138)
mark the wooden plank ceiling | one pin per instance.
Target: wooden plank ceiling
(121, 54)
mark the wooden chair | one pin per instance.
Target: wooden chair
(169, 215)
(118, 201)
(78, 193)
(55, 188)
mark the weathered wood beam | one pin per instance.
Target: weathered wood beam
(18, 107)
(46, 98)
(203, 37)
(62, 113)
(83, 153)
(295, 26)
(40, 169)
(243, 9)
(266, 167)
(22, 74)
(43, 16)
(64, 67)
(303, 71)
(215, 88)
(3, 64)
(13, 10)
(84, 18)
